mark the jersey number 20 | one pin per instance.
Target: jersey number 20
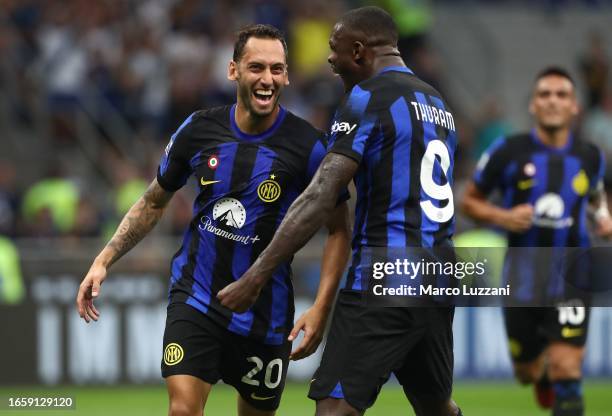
(436, 148)
(271, 380)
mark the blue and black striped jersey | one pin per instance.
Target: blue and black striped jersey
(555, 181)
(246, 184)
(403, 135)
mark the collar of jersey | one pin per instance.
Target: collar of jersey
(397, 69)
(254, 137)
(565, 148)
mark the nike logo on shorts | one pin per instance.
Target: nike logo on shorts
(256, 397)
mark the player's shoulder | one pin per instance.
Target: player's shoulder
(301, 129)
(219, 114)
(582, 145)
(512, 143)
(586, 150)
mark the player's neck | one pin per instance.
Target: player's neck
(385, 56)
(553, 137)
(250, 123)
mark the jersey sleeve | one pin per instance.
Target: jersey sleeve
(352, 125)
(316, 157)
(174, 168)
(490, 167)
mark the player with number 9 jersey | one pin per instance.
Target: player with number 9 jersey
(401, 132)
(402, 135)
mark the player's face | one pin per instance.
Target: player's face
(341, 57)
(554, 104)
(261, 74)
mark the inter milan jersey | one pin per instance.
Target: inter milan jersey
(557, 182)
(246, 184)
(401, 132)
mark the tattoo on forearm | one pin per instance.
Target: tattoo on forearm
(139, 220)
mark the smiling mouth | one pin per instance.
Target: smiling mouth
(263, 96)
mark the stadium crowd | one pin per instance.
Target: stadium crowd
(98, 88)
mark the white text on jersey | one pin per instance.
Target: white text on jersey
(434, 115)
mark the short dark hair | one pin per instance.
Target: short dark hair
(555, 70)
(256, 31)
(375, 23)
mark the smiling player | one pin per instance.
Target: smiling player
(250, 160)
(547, 177)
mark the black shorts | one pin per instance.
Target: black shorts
(366, 344)
(531, 330)
(195, 345)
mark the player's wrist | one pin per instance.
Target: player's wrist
(102, 261)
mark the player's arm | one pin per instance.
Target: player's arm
(313, 208)
(139, 220)
(335, 256)
(476, 206)
(599, 212)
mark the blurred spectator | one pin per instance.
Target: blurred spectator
(11, 283)
(50, 206)
(594, 67)
(309, 38)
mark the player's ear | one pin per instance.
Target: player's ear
(358, 50)
(232, 71)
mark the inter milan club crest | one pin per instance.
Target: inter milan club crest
(269, 190)
(213, 162)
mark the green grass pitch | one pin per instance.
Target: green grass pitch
(475, 398)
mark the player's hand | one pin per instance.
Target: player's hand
(604, 227)
(518, 219)
(240, 295)
(312, 322)
(90, 290)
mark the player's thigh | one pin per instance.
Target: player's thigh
(256, 370)
(526, 341)
(363, 347)
(191, 356)
(427, 374)
(566, 329)
(187, 395)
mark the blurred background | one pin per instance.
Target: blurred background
(90, 92)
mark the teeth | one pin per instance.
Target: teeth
(264, 92)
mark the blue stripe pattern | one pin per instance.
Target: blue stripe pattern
(487, 154)
(241, 322)
(400, 187)
(428, 227)
(203, 271)
(163, 166)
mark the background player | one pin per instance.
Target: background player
(250, 160)
(547, 176)
(385, 137)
